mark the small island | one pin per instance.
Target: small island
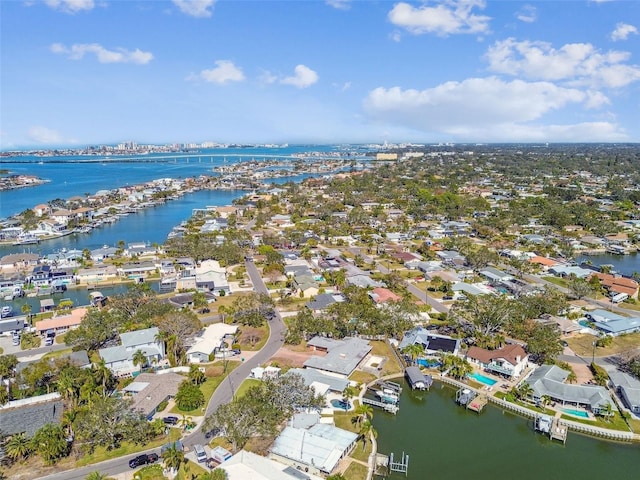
(12, 182)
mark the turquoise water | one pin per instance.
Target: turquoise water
(340, 404)
(584, 323)
(482, 379)
(577, 413)
(428, 363)
(446, 442)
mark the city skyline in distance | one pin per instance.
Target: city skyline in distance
(82, 72)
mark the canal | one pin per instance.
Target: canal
(445, 441)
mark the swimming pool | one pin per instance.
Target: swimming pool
(428, 363)
(584, 323)
(577, 413)
(335, 403)
(478, 377)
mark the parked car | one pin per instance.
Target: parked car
(16, 338)
(170, 420)
(143, 460)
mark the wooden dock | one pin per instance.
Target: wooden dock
(478, 403)
(389, 407)
(558, 429)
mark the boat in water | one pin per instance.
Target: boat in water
(26, 239)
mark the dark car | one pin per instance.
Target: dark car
(170, 420)
(143, 460)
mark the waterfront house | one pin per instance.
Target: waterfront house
(41, 210)
(212, 339)
(100, 254)
(137, 270)
(627, 387)
(62, 216)
(149, 390)
(96, 275)
(40, 275)
(432, 342)
(617, 284)
(509, 361)
(343, 356)
(119, 359)
(549, 380)
(321, 382)
(19, 261)
(247, 465)
(317, 449)
(613, 324)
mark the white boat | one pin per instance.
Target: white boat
(26, 239)
(387, 396)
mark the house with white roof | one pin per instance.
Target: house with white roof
(316, 450)
(210, 276)
(343, 356)
(120, 359)
(627, 388)
(210, 341)
(246, 465)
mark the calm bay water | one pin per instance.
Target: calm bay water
(445, 441)
(623, 264)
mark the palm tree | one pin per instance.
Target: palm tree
(348, 394)
(18, 447)
(96, 475)
(173, 457)
(139, 359)
(607, 411)
(196, 375)
(185, 421)
(363, 412)
(414, 351)
(525, 391)
(51, 443)
(545, 400)
(366, 429)
(102, 374)
(219, 474)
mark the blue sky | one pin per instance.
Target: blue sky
(79, 72)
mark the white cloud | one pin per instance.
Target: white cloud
(574, 63)
(224, 72)
(622, 31)
(195, 8)
(448, 17)
(267, 77)
(303, 77)
(70, 6)
(44, 135)
(477, 107)
(527, 14)
(120, 55)
(339, 4)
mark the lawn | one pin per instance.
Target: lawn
(556, 281)
(252, 338)
(207, 388)
(187, 470)
(383, 349)
(100, 454)
(583, 344)
(246, 385)
(362, 377)
(356, 471)
(58, 353)
(614, 423)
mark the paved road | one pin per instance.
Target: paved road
(419, 294)
(223, 394)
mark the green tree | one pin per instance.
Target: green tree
(189, 396)
(367, 430)
(18, 447)
(414, 351)
(50, 442)
(173, 457)
(363, 412)
(96, 475)
(219, 474)
(139, 359)
(196, 375)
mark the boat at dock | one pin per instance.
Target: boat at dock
(26, 239)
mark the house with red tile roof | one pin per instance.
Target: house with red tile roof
(510, 360)
(544, 262)
(382, 295)
(617, 285)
